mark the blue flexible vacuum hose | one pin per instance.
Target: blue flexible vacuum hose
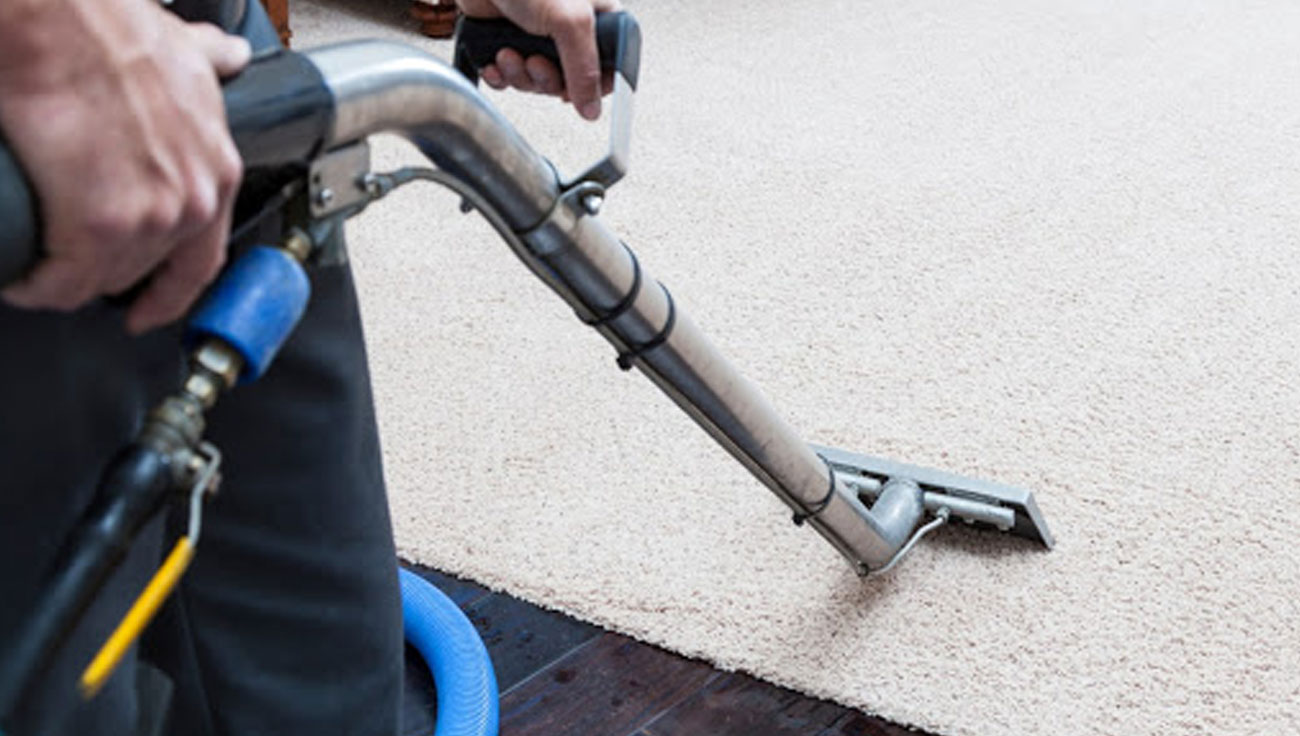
(450, 645)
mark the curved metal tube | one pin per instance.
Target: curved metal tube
(390, 87)
(382, 86)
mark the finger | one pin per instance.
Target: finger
(136, 256)
(227, 54)
(492, 75)
(511, 65)
(133, 265)
(56, 283)
(546, 78)
(479, 8)
(575, 37)
(177, 284)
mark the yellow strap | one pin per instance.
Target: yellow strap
(136, 619)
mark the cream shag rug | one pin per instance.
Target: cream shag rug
(1048, 242)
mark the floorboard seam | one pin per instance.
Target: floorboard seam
(471, 602)
(659, 716)
(551, 664)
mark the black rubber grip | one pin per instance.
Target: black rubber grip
(20, 233)
(618, 38)
(279, 111)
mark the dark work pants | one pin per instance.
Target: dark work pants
(289, 620)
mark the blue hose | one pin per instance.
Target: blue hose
(462, 670)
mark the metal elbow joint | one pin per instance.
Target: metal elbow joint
(380, 86)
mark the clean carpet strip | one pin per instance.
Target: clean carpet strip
(1048, 243)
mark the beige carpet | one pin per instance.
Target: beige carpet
(1050, 242)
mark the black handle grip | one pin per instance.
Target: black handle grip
(20, 233)
(279, 111)
(618, 39)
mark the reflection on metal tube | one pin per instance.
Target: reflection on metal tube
(598, 271)
(389, 87)
(381, 86)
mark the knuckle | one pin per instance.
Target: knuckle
(109, 224)
(577, 17)
(589, 76)
(142, 212)
(230, 167)
(203, 31)
(194, 62)
(163, 214)
(201, 204)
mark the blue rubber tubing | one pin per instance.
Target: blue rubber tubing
(450, 645)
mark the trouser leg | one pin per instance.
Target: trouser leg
(73, 389)
(290, 617)
(290, 620)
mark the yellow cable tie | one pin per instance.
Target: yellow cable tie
(136, 619)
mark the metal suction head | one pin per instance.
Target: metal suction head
(978, 502)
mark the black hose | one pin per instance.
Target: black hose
(131, 491)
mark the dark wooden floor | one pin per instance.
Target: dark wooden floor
(559, 676)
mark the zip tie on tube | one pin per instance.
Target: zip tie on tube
(625, 360)
(809, 512)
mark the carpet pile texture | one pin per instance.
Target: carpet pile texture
(1046, 242)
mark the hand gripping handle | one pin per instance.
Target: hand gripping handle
(618, 39)
(279, 111)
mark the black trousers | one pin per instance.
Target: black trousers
(289, 620)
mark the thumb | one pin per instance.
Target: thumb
(228, 54)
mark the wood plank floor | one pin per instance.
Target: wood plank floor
(559, 676)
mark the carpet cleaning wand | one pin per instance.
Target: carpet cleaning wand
(318, 108)
(870, 509)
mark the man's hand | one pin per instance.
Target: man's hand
(572, 24)
(115, 111)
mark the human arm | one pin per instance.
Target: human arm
(114, 109)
